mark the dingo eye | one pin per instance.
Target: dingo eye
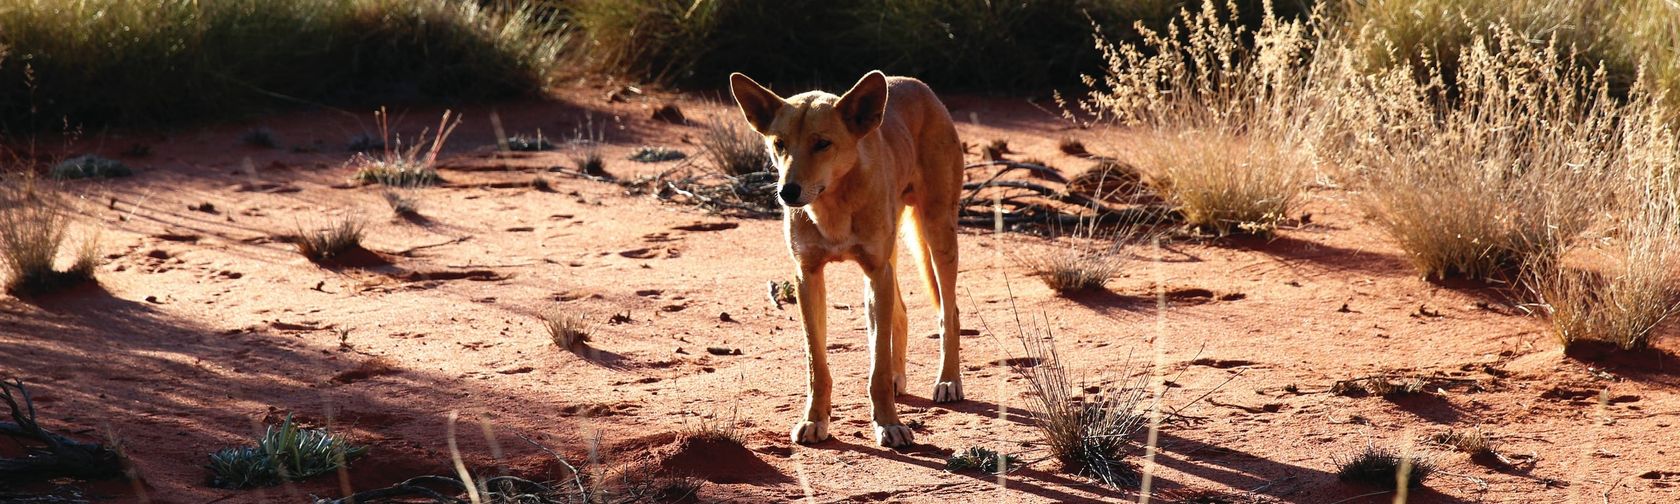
(820, 145)
(781, 145)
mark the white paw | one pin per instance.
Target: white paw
(810, 432)
(892, 436)
(947, 391)
(900, 384)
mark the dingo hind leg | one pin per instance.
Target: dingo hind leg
(935, 247)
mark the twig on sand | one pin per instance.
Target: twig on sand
(60, 457)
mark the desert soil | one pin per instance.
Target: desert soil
(206, 325)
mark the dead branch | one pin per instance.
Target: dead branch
(59, 457)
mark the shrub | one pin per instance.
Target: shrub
(284, 453)
(1382, 467)
(734, 149)
(403, 166)
(1230, 126)
(32, 232)
(182, 60)
(332, 241)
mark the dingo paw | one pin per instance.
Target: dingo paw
(900, 384)
(947, 391)
(810, 432)
(892, 436)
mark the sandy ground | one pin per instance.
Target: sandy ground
(205, 326)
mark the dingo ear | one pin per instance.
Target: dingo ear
(863, 105)
(758, 104)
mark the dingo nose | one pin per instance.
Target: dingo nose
(790, 195)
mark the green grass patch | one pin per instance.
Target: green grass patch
(285, 452)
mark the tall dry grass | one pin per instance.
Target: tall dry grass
(1635, 289)
(1504, 169)
(34, 225)
(1228, 114)
(1617, 33)
(953, 44)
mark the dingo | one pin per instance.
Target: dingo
(853, 168)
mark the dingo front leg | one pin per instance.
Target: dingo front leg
(883, 300)
(813, 309)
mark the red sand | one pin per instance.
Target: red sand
(206, 326)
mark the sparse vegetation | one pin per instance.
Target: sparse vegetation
(568, 331)
(1383, 467)
(1095, 257)
(89, 166)
(184, 60)
(734, 149)
(654, 154)
(286, 452)
(1087, 429)
(1471, 441)
(33, 225)
(333, 241)
(1380, 385)
(522, 143)
(403, 166)
(980, 458)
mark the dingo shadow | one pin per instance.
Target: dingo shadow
(972, 407)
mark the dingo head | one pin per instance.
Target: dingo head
(813, 136)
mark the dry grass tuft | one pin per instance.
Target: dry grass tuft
(734, 149)
(1096, 255)
(1229, 124)
(1383, 467)
(33, 225)
(718, 427)
(403, 166)
(567, 331)
(1087, 429)
(333, 241)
